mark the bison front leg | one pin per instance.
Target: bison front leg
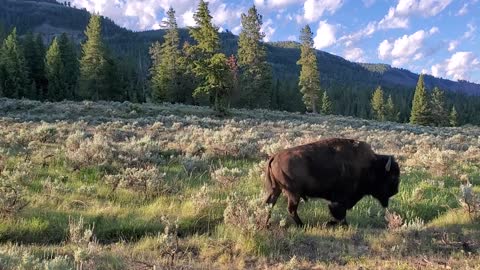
(338, 212)
(293, 201)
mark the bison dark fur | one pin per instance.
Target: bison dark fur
(341, 171)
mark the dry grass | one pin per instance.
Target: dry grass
(170, 186)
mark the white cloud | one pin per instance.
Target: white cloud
(384, 49)
(368, 3)
(425, 8)
(436, 70)
(460, 64)
(354, 54)
(275, 3)
(314, 9)
(393, 20)
(471, 31)
(147, 14)
(463, 10)
(398, 17)
(292, 38)
(452, 45)
(405, 48)
(458, 67)
(268, 29)
(433, 30)
(365, 32)
(188, 19)
(325, 35)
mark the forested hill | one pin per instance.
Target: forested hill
(351, 84)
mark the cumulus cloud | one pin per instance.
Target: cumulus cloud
(354, 54)
(471, 31)
(452, 45)
(148, 14)
(275, 3)
(368, 3)
(398, 17)
(403, 49)
(268, 29)
(325, 36)
(458, 67)
(393, 20)
(314, 9)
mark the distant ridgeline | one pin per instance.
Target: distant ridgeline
(349, 85)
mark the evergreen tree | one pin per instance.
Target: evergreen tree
(55, 73)
(420, 113)
(378, 104)
(167, 71)
(209, 65)
(391, 112)
(14, 74)
(439, 111)
(256, 77)
(35, 62)
(71, 65)
(97, 69)
(327, 107)
(309, 82)
(233, 68)
(453, 119)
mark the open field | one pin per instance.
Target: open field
(125, 186)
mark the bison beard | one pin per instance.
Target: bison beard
(341, 171)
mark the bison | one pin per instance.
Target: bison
(341, 171)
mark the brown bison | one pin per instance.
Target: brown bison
(341, 171)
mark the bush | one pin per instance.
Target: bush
(248, 215)
(226, 176)
(148, 180)
(470, 201)
(85, 152)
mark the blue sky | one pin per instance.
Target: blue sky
(438, 37)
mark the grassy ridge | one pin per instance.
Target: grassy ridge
(127, 186)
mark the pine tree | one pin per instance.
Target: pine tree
(378, 104)
(209, 65)
(439, 111)
(391, 112)
(97, 69)
(309, 81)
(326, 104)
(256, 74)
(233, 68)
(71, 65)
(453, 118)
(55, 73)
(14, 74)
(420, 113)
(167, 71)
(35, 62)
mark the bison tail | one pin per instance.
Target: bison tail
(270, 184)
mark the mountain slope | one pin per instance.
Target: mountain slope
(51, 18)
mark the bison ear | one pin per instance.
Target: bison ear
(389, 164)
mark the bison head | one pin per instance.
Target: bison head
(387, 179)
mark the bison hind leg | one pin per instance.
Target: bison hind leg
(293, 201)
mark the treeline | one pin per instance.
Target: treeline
(30, 70)
(427, 108)
(205, 67)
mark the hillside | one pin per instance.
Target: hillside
(50, 18)
(112, 185)
(348, 84)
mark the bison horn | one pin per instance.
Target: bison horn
(389, 164)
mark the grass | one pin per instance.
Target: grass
(183, 226)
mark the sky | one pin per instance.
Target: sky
(437, 37)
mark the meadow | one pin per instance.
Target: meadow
(106, 185)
